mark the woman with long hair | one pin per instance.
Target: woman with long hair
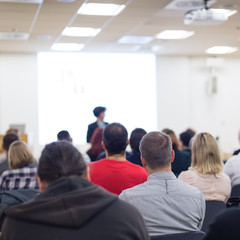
(206, 171)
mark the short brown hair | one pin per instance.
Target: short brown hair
(156, 149)
(19, 155)
(205, 154)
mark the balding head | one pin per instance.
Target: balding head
(156, 149)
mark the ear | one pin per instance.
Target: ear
(172, 156)
(87, 177)
(42, 185)
(103, 145)
(143, 161)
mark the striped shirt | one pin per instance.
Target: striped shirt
(22, 178)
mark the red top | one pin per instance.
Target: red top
(116, 176)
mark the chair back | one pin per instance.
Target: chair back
(235, 191)
(198, 235)
(213, 208)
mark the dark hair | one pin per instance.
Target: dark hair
(115, 138)
(60, 159)
(8, 139)
(186, 136)
(156, 149)
(63, 135)
(175, 141)
(135, 138)
(98, 110)
(96, 144)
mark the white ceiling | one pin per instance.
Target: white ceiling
(140, 18)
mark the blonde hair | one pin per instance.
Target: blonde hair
(19, 155)
(205, 155)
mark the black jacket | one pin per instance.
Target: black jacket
(73, 208)
(91, 128)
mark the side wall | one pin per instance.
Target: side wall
(19, 94)
(185, 98)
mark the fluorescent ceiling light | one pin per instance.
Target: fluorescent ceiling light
(221, 50)
(14, 36)
(226, 12)
(67, 47)
(174, 34)
(80, 31)
(23, 1)
(135, 39)
(101, 9)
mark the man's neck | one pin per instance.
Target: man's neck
(165, 169)
(117, 157)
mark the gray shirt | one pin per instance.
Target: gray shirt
(167, 204)
(232, 169)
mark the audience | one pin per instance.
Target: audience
(135, 138)
(22, 172)
(115, 173)
(8, 139)
(185, 138)
(70, 207)
(182, 160)
(64, 135)
(96, 144)
(206, 171)
(99, 113)
(168, 205)
(236, 152)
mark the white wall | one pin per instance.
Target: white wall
(19, 94)
(183, 99)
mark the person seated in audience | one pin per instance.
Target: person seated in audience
(115, 173)
(182, 159)
(70, 206)
(8, 139)
(185, 138)
(225, 226)
(236, 152)
(99, 113)
(134, 141)
(96, 144)
(168, 205)
(22, 172)
(232, 169)
(64, 135)
(206, 171)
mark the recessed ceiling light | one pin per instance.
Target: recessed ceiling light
(226, 12)
(174, 34)
(101, 9)
(44, 37)
(67, 47)
(66, 1)
(221, 50)
(135, 39)
(80, 31)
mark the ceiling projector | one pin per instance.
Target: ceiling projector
(205, 17)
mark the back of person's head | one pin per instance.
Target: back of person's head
(205, 154)
(98, 110)
(175, 141)
(13, 130)
(156, 149)
(135, 138)
(8, 139)
(96, 142)
(64, 135)
(60, 159)
(186, 136)
(19, 155)
(115, 138)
